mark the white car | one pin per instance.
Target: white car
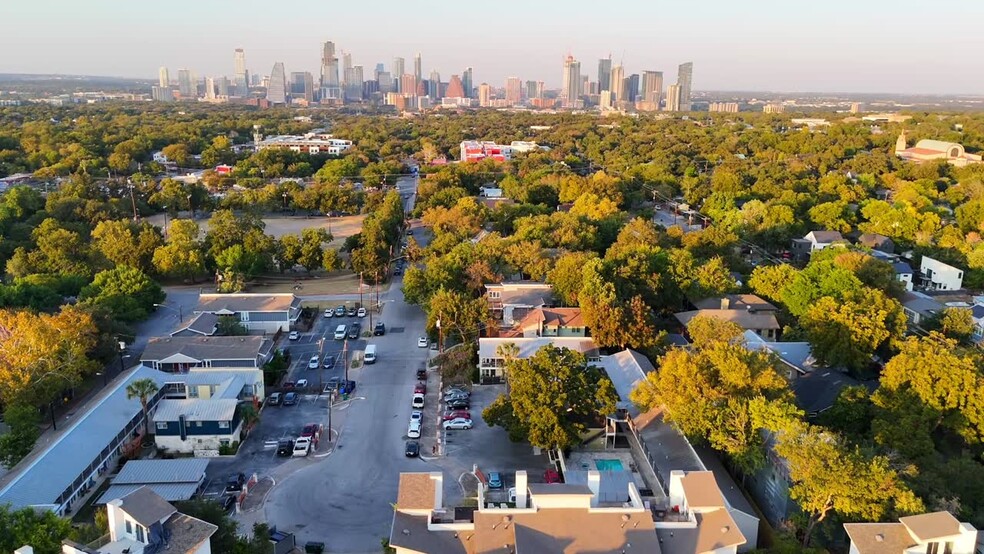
(416, 415)
(422, 342)
(418, 400)
(414, 430)
(301, 447)
(294, 335)
(458, 423)
(361, 312)
(329, 312)
(314, 362)
(512, 495)
(301, 383)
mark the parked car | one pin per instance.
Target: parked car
(339, 384)
(350, 312)
(421, 373)
(416, 415)
(397, 272)
(273, 399)
(301, 447)
(340, 311)
(301, 383)
(313, 362)
(420, 387)
(379, 330)
(418, 400)
(413, 431)
(459, 404)
(311, 430)
(290, 399)
(495, 480)
(512, 495)
(422, 342)
(456, 396)
(294, 335)
(287, 385)
(456, 389)
(329, 312)
(456, 414)
(228, 503)
(551, 476)
(354, 331)
(361, 312)
(413, 449)
(285, 448)
(329, 361)
(235, 482)
(458, 423)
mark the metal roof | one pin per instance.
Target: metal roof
(185, 470)
(196, 409)
(41, 480)
(172, 492)
(626, 369)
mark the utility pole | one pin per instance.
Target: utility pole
(361, 305)
(331, 401)
(345, 357)
(133, 201)
(321, 365)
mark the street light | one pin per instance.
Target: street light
(165, 222)
(51, 403)
(321, 363)
(179, 311)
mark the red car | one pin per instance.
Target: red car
(310, 430)
(454, 414)
(551, 476)
(420, 388)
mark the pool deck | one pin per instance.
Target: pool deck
(586, 461)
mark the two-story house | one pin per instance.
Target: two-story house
(199, 426)
(748, 311)
(182, 354)
(143, 523)
(813, 241)
(510, 301)
(903, 274)
(936, 275)
(932, 533)
(551, 322)
(492, 352)
(266, 313)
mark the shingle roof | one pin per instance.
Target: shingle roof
(410, 531)
(524, 293)
(563, 317)
(736, 302)
(931, 526)
(196, 409)
(236, 303)
(877, 242)
(715, 530)
(902, 268)
(41, 479)
(205, 348)
(146, 507)
(743, 318)
(879, 538)
(204, 324)
(565, 530)
(825, 236)
(187, 533)
(816, 391)
(416, 492)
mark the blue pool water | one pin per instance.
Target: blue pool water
(609, 465)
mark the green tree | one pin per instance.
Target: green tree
(459, 315)
(771, 281)
(567, 276)
(953, 322)
(550, 394)
(183, 256)
(312, 249)
(41, 529)
(144, 390)
(177, 153)
(23, 420)
(848, 332)
(123, 242)
(126, 291)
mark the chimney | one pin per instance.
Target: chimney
(725, 303)
(521, 489)
(594, 483)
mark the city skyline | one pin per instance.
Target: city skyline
(834, 48)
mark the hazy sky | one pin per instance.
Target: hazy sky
(931, 46)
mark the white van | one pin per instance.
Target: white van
(340, 332)
(370, 355)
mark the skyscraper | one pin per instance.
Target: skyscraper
(209, 89)
(408, 84)
(329, 65)
(652, 88)
(240, 74)
(222, 84)
(466, 81)
(302, 85)
(398, 70)
(605, 73)
(685, 75)
(514, 91)
(484, 95)
(434, 85)
(346, 67)
(185, 84)
(455, 88)
(386, 83)
(418, 71)
(673, 98)
(571, 82)
(617, 84)
(277, 89)
(531, 90)
(163, 80)
(631, 87)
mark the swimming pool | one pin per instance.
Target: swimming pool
(609, 465)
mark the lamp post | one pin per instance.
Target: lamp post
(285, 200)
(331, 402)
(179, 311)
(321, 364)
(165, 223)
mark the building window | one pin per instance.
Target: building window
(140, 533)
(493, 294)
(162, 425)
(224, 442)
(948, 547)
(198, 424)
(129, 527)
(933, 548)
(223, 425)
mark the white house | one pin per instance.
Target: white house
(936, 275)
(903, 274)
(492, 365)
(813, 241)
(933, 533)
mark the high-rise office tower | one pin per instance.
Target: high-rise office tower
(380, 67)
(434, 85)
(302, 85)
(222, 85)
(514, 91)
(418, 70)
(652, 88)
(617, 84)
(571, 82)
(585, 85)
(685, 75)
(399, 68)
(673, 98)
(353, 82)
(277, 88)
(605, 73)
(161, 94)
(329, 65)
(346, 67)
(386, 83)
(484, 95)
(209, 88)
(163, 80)
(456, 89)
(240, 75)
(466, 81)
(408, 84)
(531, 90)
(185, 84)
(540, 86)
(631, 87)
